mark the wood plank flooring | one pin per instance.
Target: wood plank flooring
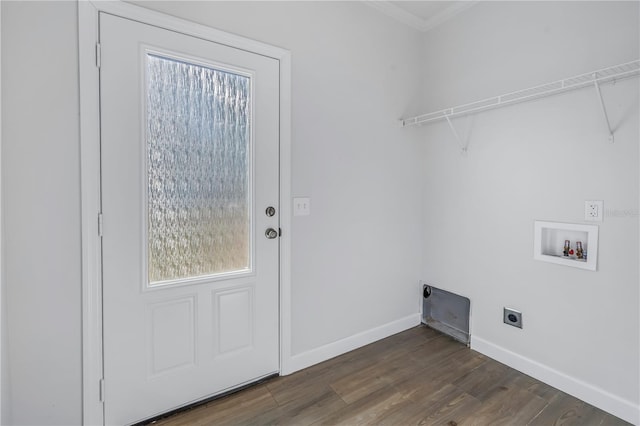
(417, 377)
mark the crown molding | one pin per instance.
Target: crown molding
(397, 13)
(448, 13)
(416, 22)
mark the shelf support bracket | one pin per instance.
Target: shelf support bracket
(463, 148)
(604, 108)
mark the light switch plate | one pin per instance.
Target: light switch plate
(594, 210)
(301, 206)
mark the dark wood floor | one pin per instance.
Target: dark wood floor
(416, 377)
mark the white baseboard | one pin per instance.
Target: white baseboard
(331, 350)
(626, 410)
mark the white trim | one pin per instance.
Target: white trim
(396, 13)
(589, 393)
(183, 26)
(331, 350)
(447, 14)
(90, 161)
(92, 410)
(285, 211)
(638, 324)
(415, 21)
(2, 336)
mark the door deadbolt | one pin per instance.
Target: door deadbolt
(271, 233)
(271, 211)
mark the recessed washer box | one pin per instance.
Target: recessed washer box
(549, 242)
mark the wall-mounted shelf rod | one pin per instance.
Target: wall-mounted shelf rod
(606, 75)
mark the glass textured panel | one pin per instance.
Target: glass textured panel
(198, 130)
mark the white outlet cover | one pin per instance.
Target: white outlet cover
(301, 206)
(594, 210)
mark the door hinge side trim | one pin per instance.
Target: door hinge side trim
(98, 55)
(100, 224)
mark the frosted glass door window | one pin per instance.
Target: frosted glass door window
(198, 141)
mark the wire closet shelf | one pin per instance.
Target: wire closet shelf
(594, 78)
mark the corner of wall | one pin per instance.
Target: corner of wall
(620, 407)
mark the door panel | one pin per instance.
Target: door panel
(233, 320)
(189, 153)
(172, 335)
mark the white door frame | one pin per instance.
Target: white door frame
(92, 362)
(2, 334)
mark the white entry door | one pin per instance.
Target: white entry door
(189, 152)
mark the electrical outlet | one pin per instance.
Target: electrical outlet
(301, 206)
(593, 210)
(512, 317)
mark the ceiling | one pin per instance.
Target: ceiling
(422, 15)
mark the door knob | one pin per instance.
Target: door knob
(271, 233)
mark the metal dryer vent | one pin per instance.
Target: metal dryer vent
(446, 312)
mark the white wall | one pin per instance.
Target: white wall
(356, 258)
(538, 160)
(41, 209)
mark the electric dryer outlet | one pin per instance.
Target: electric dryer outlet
(512, 317)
